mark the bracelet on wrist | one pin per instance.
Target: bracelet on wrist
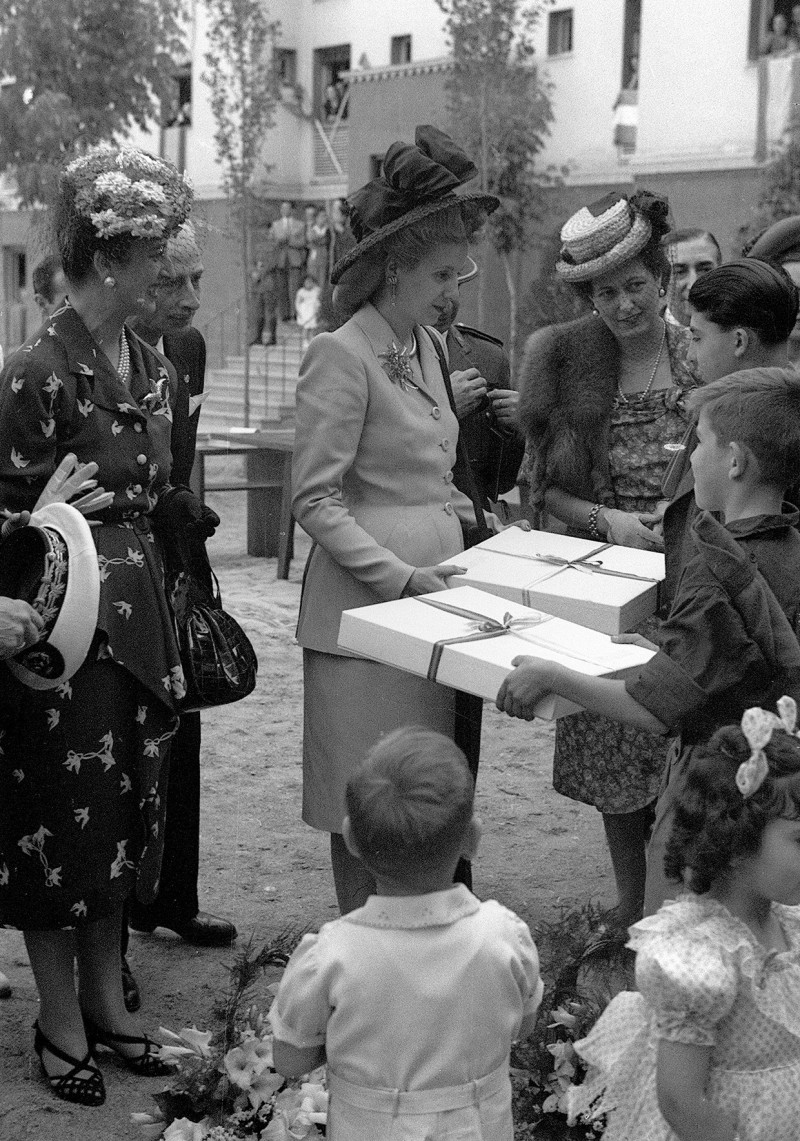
(593, 529)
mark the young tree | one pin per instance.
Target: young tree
(78, 71)
(245, 89)
(501, 114)
(780, 192)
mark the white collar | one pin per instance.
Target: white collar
(434, 909)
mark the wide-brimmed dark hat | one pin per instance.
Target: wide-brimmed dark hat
(52, 565)
(417, 180)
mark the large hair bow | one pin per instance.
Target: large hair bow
(758, 726)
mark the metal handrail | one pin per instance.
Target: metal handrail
(217, 331)
(277, 370)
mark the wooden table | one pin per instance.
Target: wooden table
(268, 483)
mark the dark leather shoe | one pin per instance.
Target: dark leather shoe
(203, 930)
(130, 989)
(206, 930)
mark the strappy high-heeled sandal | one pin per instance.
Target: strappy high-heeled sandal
(147, 1064)
(88, 1090)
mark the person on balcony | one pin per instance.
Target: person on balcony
(778, 41)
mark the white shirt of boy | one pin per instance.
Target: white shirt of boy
(414, 993)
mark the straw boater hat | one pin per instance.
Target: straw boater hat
(601, 237)
(52, 564)
(416, 181)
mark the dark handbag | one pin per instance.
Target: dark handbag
(218, 659)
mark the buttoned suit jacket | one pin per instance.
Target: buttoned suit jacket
(371, 474)
(291, 245)
(178, 898)
(186, 350)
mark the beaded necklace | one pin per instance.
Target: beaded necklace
(645, 391)
(124, 366)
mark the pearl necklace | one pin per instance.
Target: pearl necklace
(646, 391)
(124, 366)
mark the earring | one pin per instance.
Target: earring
(391, 279)
(662, 292)
(109, 282)
(595, 312)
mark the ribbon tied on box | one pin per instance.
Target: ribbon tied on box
(486, 627)
(580, 564)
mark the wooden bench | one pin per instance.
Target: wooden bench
(268, 483)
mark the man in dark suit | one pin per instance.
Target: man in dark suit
(170, 331)
(486, 406)
(264, 295)
(289, 234)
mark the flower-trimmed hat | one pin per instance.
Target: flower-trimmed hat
(124, 190)
(601, 237)
(52, 565)
(417, 180)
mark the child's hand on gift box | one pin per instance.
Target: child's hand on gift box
(634, 640)
(524, 688)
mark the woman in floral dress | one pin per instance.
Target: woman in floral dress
(602, 404)
(85, 763)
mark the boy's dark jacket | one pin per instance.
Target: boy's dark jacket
(702, 680)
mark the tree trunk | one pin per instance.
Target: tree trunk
(511, 285)
(484, 179)
(245, 247)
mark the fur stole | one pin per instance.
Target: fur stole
(568, 382)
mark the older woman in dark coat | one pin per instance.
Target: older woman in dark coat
(85, 764)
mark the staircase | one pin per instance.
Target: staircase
(273, 378)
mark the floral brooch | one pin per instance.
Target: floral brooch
(396, 363)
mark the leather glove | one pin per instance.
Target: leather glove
(179, 509)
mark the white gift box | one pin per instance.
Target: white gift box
(416, 635)
(602, 586)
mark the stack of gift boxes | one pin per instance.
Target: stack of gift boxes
(525, 593)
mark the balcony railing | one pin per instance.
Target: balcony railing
(331, 145)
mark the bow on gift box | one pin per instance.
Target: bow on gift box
(758, 726)
(580, 564)
(487, 627)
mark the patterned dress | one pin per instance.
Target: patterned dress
(616, 767)
(704, 980)
(83, 766)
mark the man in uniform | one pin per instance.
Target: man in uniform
(177, 907)
(486, 406)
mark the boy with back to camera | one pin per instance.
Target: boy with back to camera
(414, 998)
(730, 641)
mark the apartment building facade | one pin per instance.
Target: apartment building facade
(674, 96)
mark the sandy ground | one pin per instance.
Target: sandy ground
(265, 870)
